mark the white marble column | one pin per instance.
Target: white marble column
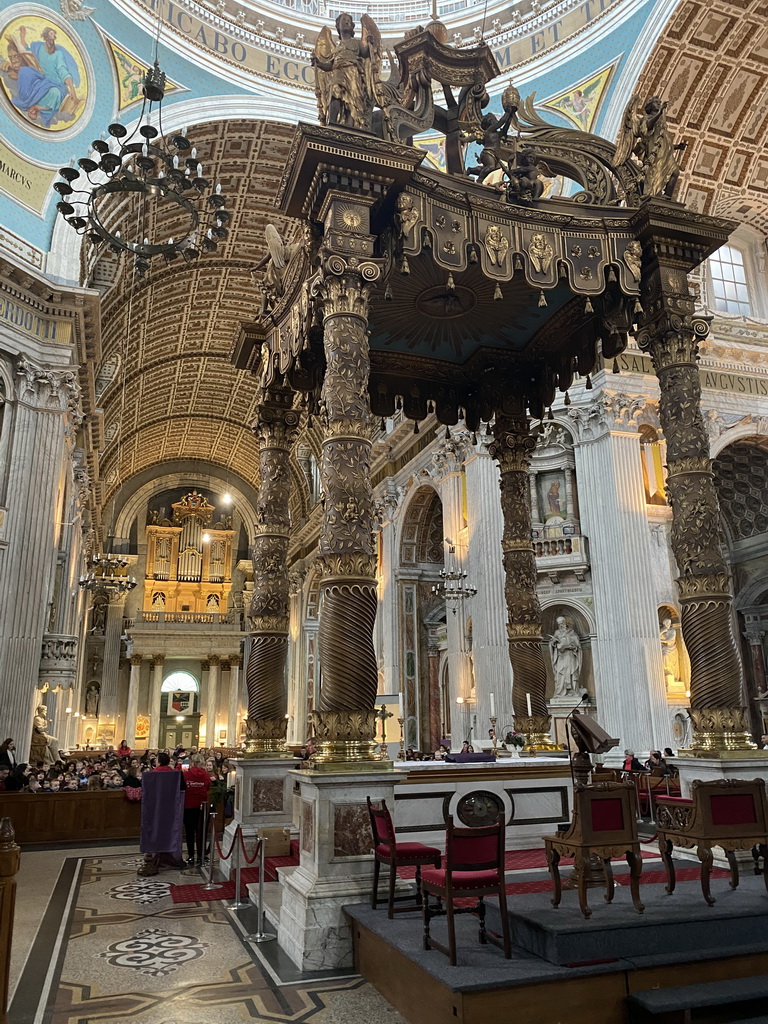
(212, 700)
(35, 419)
(448, 466)
(629, 676)
(233, 699)
(490, 648)
(155, 700)
(132, 709)
(110, 679)
(297, 679)
(388, 636)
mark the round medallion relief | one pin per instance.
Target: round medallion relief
(444, 303)
(478, 809)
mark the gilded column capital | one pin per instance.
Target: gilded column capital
(136, 659)
(157, 660)
(235, 661)
(205, 665)
(213, 659)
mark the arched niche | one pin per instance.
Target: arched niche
(576, 619)
(421, 532)
(677, 671)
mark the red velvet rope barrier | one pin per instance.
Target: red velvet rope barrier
(250, 860)
(222, 855)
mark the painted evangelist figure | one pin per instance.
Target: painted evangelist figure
(42, 72)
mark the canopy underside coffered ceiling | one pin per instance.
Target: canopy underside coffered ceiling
(174, 393)
(711, 64)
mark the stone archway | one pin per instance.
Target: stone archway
(741, 478)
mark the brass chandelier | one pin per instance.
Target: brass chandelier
(452, 586)
(108, 573)
(163, 170)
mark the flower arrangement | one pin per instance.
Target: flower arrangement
(515, 739)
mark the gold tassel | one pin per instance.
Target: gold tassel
(563, 270)
(404, 268)
(616, 366)
(567, 399)
(497, 293)
(447, 434)
(473, 255)
(550, 414)
(518, 262)
(611, 275)
(383, 423)
(638, 307)
(450, 283)
(542, 299)
(388, 293)
(474, 437)
(415, 426)
(588, 384)
(588, 308)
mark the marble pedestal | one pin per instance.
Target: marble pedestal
(336, 865)
(754, 766)
(263, 796)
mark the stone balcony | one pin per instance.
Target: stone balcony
(559, 554)
(194, 622)
(58, 661)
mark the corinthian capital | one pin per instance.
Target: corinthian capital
(277, 422)
(607, 411)
(53, 390)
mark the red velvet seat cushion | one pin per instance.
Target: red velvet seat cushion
(410, 851)
(464, 880)
(734, 809)
(607, 815)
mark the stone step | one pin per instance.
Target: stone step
(741, 996)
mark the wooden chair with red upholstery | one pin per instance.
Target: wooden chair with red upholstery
(474, 866)
(387, 850)
(731, 813)
(604, 825)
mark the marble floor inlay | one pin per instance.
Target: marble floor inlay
(115, 949)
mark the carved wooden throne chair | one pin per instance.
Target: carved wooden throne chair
(604, 825)
(731, 813)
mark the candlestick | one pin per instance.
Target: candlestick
(493, 721)
(401, 751)
(400, 705)
(528, 702)
(493, 705)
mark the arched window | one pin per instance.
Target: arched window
(182, 681)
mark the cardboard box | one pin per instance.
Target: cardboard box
(277, 841)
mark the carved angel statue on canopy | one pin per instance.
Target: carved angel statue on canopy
(348, 73)
(644, 134)
(273, 265)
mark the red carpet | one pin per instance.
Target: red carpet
(194, 892)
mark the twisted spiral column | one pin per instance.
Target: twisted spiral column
(275, 427)
(512, 448)
(672, 338)
(345, 722)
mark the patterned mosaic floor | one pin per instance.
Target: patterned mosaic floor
(114, 948)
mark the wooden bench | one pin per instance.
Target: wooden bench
(731, 813)
(71, 817)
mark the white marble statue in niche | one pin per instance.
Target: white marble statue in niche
(566, 653)
(669, 651)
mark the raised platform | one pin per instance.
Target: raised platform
(724, 942)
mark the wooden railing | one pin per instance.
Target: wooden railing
(71, 817)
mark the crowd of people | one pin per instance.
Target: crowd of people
(115, 769)
(656, 763)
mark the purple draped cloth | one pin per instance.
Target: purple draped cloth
(468, 758)
(162, 813)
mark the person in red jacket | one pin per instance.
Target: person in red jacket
(195, 795)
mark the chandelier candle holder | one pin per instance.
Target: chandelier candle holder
(108, 573)
(164, 171)
(452, 586)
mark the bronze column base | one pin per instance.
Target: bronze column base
(536, 731)
(721, 732)
(346, 742)
(265, 737)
